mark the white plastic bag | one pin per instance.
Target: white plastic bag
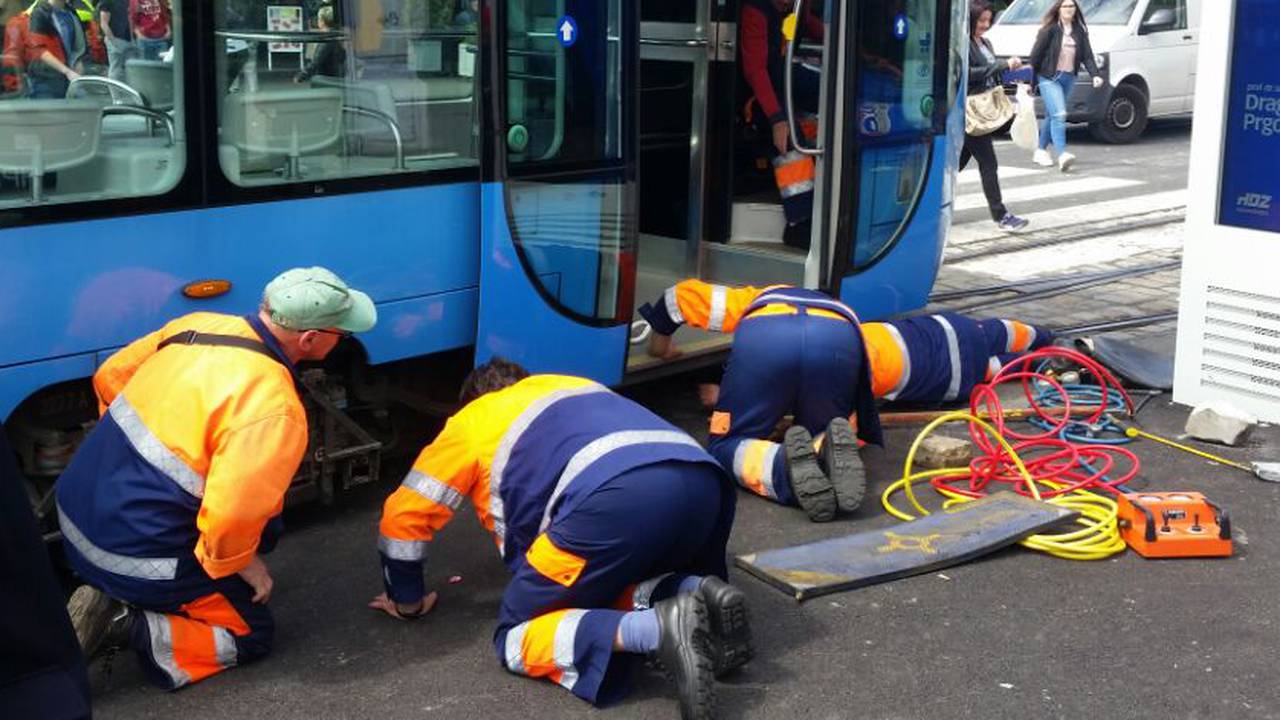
(1025, 131)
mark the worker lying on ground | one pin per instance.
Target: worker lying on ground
(174, 495)
(911, 360)
(795, 352)
(595, 504)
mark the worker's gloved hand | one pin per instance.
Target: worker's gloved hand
(259, 579)
(404, 612)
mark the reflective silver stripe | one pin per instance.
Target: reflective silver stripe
(141, 568)
(432, 489)
(795, 188)
(600, 447)
(509, 439)
(835, 306)
(740, 459)
(766, 477)
(402, 549)
(953, 347)
(906, 362)
(224, 645)
(673, 305)
(566, 633)
(1008, 335)
(641, 597)
(719, 302)
(1031, 337)
(162, 647)
(515, 645)
(152, 450)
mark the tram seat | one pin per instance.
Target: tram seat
(153, 80)
(360, 129)
(41, 136)
(287, 123)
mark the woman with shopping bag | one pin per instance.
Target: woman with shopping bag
(987, 109)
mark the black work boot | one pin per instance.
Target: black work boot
(684, 650)
(727, 606)
(839, 457)
(811, 486)
(92, 616)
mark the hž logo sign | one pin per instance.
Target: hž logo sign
(1254, 204)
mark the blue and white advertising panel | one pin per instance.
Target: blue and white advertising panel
(1250, 196)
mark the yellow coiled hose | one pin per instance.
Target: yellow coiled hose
(1096, 539)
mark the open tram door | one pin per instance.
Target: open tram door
(558, 201)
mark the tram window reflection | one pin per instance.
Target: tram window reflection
(89, 104)
(317, 92)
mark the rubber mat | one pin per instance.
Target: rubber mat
(935, 541)
(1149, 365)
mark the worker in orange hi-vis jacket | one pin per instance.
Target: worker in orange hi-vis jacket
(612, 522)
(776, 368)
(174, 496)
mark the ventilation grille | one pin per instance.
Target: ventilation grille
(1241, 348)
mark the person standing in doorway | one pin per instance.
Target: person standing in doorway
(1061, 47)
(984, 74)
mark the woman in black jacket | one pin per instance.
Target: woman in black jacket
(1062, 46)
(984, 74)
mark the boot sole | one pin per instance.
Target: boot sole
(732, 626)
(844, 466)
(91, 612)
(812, 488)
(703, 703)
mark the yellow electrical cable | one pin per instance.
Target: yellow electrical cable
(1097, 538)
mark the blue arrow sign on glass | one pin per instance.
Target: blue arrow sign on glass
(900, 26)
(567, 30)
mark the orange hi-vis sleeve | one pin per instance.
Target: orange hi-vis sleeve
(457, 465)
(708, 306)
(115, 373)
(231, 426)
(890, 361)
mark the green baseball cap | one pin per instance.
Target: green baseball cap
(314, 299)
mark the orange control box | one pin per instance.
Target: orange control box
(1174, 524)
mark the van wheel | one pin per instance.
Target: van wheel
(1124, 118)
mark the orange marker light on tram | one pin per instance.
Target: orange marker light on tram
(201, 289)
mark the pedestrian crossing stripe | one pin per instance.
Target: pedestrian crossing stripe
(1046, 191)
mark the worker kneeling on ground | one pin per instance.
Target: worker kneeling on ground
(612, 522)
(795, 352)
(171, 500)
(926, 359)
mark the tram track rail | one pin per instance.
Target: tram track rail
(1002, 245)
(1061, 285)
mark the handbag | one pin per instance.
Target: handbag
(987, 111)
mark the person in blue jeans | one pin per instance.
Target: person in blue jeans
(1061, 47)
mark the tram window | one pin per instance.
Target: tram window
(317, 92)
(898, 115)
(563, 103)
(86, 113)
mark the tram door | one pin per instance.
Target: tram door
(559, 199)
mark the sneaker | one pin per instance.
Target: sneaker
(92, 616)
(1012, 223)
(1065, 161)
(684, 651)
(840, 459)
(811, 486)
(1042, 158)
(727, 608)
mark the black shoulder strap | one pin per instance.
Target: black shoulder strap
(191, 337)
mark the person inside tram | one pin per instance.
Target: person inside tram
(760, 37)
(56, 45)
(330, 59)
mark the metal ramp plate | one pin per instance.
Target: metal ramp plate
(935, 541)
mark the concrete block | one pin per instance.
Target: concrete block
(940, 451)
(1219, 421)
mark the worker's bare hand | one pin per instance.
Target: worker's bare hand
(662, 346)
(259, 579)
(1015, 62)
(402, 612)
(708, 395)
(1097, 82)
(781, 134)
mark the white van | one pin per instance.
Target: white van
(1145, 50)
